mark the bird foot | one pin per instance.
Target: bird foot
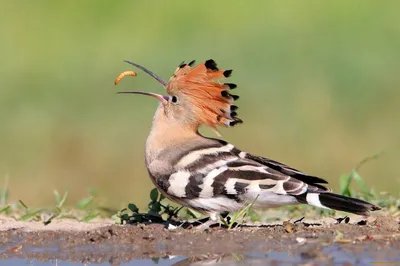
(214, 219)
(206, 225)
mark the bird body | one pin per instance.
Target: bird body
(211, 175)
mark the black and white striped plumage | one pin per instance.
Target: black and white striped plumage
(215, 177)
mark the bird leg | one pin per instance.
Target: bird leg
(215, 218)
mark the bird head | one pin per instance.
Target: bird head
(196, 96)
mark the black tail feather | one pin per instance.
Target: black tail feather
(339, 202)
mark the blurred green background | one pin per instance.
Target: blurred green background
(319, 84)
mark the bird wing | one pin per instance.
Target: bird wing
(287, 170)
(225, 170)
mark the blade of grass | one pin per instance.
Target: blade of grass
(23, 204)
(344, 182)
(4, 194)
(361, 183)
(68, 216)
(57, 196)
(4, 209)
(62, 201)
(85, 202)
(241, 213)
(89, 217)
(369, 158)
(28, 215)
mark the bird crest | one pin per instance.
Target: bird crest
(200, 86)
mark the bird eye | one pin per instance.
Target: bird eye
(174, 99)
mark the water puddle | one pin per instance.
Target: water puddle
(109, 255)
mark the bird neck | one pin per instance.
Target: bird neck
(167, 132)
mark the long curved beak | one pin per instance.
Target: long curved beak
(159, 97)
(159, 79)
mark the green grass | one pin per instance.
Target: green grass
(240, 215)
(346, 179)
(158, 212)
(85, 209)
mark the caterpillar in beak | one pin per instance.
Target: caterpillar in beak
(124, 74)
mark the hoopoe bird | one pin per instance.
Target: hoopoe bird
(210, 175)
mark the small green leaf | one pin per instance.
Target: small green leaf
(161, 197)
(156, 206)
(154, 194)
(85, 202)
(138, 217)
(133, 207)
(89, 217)
(153, 213)
(125, 217)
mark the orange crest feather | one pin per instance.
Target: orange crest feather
(211, 99)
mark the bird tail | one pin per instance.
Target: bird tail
(337, 202)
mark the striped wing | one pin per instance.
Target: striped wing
(223, 170)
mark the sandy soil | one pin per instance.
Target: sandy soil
(103, 241)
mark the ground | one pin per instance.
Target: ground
(376, 239)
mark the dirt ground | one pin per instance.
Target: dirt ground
(377, 239)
